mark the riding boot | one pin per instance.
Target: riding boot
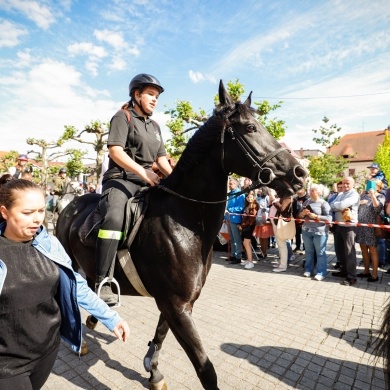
(106, 293)
(106, 253)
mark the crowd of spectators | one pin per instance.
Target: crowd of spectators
(314, 210)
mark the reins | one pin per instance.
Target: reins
(166, 189)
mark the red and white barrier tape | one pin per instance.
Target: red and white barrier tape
(371, 225)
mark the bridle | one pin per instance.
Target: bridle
(249, 153)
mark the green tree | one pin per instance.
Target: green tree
(99, 130)
(8, 160)
(276, 127)
(75, 164)
(382, 155)
(49, 151)
(327, 135)
(327, 168)
(184, 119)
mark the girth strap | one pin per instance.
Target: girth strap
(129, 269)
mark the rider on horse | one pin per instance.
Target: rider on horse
(60, 183)
(134, 143)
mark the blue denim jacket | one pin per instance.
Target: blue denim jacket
(73, 291)
(235, 205)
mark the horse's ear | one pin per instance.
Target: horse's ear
(224, 98)
(248, 100)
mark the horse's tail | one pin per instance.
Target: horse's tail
(382, 344)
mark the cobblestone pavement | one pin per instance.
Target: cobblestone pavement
(261, 330)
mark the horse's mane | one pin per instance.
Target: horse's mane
(203, 140)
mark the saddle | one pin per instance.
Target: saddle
(134, 214)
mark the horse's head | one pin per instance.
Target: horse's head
(250, 150)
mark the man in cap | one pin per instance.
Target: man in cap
(376, 174)
(60, 184)
(21, 167)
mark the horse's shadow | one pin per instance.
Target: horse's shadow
(77, 371)
(303, 370)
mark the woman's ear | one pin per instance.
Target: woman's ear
(3, 212)
(137, 94)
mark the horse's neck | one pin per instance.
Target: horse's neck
(206, 181)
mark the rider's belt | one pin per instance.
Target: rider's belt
(110, 234)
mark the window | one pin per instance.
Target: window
(351, 172)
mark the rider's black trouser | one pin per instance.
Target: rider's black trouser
(112, 205)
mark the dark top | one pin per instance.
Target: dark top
(30, 318)
(143, 145)
(297, 204)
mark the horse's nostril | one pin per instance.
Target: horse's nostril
(300, 172)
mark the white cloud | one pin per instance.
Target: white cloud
(197, 77)
(93, 52)
(112, 38)
(356, 101)
(117, 63)
(25, 59)
(87, 48)
(10, 33)
(40, 14)
(52, 95)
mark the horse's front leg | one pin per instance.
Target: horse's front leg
(156, 379)
(182, 326)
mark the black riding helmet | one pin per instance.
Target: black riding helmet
(143, 80)
(62, 170)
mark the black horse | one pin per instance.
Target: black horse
(172, 250)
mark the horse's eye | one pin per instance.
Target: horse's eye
(251, 128)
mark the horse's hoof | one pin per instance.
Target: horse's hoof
(159, 385)
(90, 324)
(84, 349)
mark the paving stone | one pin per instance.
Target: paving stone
(261, 330)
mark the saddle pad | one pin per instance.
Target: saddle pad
(89, 230)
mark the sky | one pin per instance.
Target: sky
(69, 62)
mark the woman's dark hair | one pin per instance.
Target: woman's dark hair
(5, 178)
(264, 191)
(8, 191)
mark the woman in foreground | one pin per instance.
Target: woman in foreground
(40, 293)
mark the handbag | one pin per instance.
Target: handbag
(261, 218)
(285, 229)
(347, 215)
(223, 235)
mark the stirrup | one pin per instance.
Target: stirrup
(112, 280)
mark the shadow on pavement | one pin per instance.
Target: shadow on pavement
(77, 371)
(305, 370)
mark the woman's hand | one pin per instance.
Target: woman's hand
(122, 331)
(305, 212)
(151, 177)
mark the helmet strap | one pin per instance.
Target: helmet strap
(142, 109)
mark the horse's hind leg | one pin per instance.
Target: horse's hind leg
(182, 326)
(156, 379)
